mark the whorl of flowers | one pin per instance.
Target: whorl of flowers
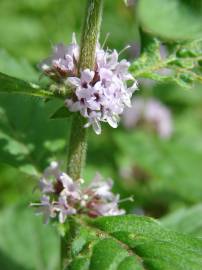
(151, 112)
(61, 196)
(101, 94)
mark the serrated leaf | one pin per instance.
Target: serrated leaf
(182, 70)
(173, 19)
(62, 112)
(133, 242)
(13, 85)
(186, 220)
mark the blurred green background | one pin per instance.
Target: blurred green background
(164, 175)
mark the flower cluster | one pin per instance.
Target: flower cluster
(62, 63)
(100, 95)
(151, 112)
(61, 196)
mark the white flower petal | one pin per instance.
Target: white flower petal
(73, 81)
(87, 76)
(97, 127)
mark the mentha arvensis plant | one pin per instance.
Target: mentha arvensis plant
(95, 86)
(100, 94)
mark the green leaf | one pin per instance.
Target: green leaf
(180, 66)
(12, 85)
(186, 220)
(131, 242)
(28, 139)
(62, 112)
(25, 242)
(171, 19)
(18, 68)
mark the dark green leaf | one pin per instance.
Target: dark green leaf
(28, 139)
(132, 242)
(62, 112)
(12, 85)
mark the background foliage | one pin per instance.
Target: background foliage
(165, 177)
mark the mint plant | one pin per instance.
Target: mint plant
(94, 86)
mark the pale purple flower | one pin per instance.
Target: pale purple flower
(61, 196)
(160, 116)
(100, 95)
(63, 208)
(151, 112)
(45, 186)
(109, 208)
(102, 187)
(45, 208)
(52, 170)
(63, 61)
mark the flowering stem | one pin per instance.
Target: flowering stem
(90, 35)
(78, 134)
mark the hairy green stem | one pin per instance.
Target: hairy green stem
(90, 34)
(77, 147)
(78, 134)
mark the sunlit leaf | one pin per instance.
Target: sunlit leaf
(171, 19)
(180, 65)
(25, 243)
(131, 242)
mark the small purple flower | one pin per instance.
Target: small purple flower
(151, 112)
(63, 61)
(100, 95)
(45, 208)
(61, 196)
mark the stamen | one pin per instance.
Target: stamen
(35, 204)
(124, 49)
(130, 199)
(105, 41)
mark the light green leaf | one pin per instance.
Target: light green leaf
(18, 68)
(171, 19)
(186, 220)
(26, 243)
(132, 242)
(28, 139)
